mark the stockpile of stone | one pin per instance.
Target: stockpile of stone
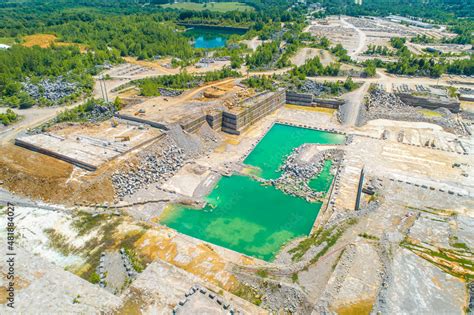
(169, 92)
(98, 113)
(101, 112)
(294, 167)
(153, 168)
(51, 89)
(380, 99)
(214, 59)
(313, 87)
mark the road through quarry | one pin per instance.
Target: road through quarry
(362, 39)
(350, 110)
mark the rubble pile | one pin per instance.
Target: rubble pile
(294, 167)
(169, 92)
(297, 173)
(153, 168)
(101, 112)
(51, 89)
(214, 59)
(383, 105)
(313, 87)
(286, 298)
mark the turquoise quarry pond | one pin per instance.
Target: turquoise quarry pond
(209, 37)
(251, 218)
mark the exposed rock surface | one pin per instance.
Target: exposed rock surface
(383, 105)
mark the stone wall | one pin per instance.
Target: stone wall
(234, 121)
(305, 99)
(327, 103)
(193, 122)
(302, 99)
(430, 102)
(59, 156)
(143, 121)
(214, 119)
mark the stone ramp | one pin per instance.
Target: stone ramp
(354, 281)
(346, 196)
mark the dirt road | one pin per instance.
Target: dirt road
(353, 101)
(362, 38)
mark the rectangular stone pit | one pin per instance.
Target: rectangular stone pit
(89, 147)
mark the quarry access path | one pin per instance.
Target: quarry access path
(353, 101)
(362, 38)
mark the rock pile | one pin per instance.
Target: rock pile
(286, 298)
(51, 89)
(297, 173)
(153, 168)
(101, 112)
(214, 59)
(313, 87)
(169, 92)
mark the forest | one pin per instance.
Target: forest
(108, 30)
(111, 29)
(20, 64)
(313, 67)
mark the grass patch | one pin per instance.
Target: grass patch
(461, 246)
(94, 278)
(85, 222)
(135, 260)
(247, 293)
(8, 41)
(333, 267)
(59, 242)
(294, 277)
(450, 261)
(330, 236)
(262, 273)
(217, 6)
(435, 211)
(430, 113)
(368, 236)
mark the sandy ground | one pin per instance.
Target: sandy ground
(253, 43)
(361, 39)
(306, 53)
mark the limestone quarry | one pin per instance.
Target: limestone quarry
(224, 199)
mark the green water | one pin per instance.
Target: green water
(323, 181)
(251, 218)
(278, 143)
(209, 38)
(247, 217)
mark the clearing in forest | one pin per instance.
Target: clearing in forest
(46, 40)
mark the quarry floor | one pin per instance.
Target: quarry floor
(355, 274)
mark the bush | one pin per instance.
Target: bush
(8, 117)
(94, 278)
